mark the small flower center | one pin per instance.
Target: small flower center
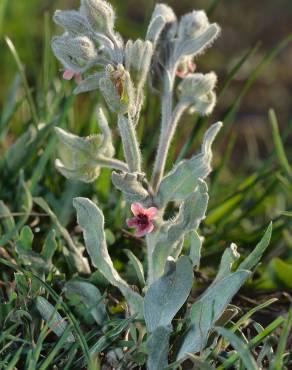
(142, 220)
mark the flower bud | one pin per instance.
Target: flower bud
(117, 89)
(197, 89)
(170, 20)
(72, 21)
(76, 53)
(193, 24)
(138, 57)
(99, 14)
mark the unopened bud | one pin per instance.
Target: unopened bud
(99, 14)
(193, 24)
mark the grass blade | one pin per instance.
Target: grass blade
(277, 364)
(241, 348)
(279, 145)
(28, 93)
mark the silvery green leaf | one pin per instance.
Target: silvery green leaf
(155, 28)
(193, 24)
(107, 141)
(195, 248)
(78, 156)
(90, 296)
(89, 83)
(207, 310)
(52, 318)
(198, 44)
(183, 179)
(137, 266)
(166, 295)
(99, 14)
(191, 212)
(157, 348)
(72, 21)
(254, 257)
(91, 220)
(131, 185)
(82, 157)
(230, 255)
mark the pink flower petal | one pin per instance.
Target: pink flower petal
(192, 67)
(141, 231)
(137, 209)
(78, 78)
(181, 74)
(132, 222)
(68, 75)
(151, 212)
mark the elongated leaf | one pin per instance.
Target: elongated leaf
(91, 220)
(165, 296)
(90, 296)
(195, 248)
(207, 310)
(254, 257)
(157, 348)
(52, 318)
(137, 266)
(230, 255)
(183, 179)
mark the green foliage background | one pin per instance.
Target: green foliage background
(242, 150)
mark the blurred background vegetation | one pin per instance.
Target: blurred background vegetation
(251, 183)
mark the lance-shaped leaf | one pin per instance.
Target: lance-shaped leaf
(157, 348)
(194, 46)
(52, 318)
(192, 211)
(155, 28)
(207, 310)
(89, 83)
(184, 177)
(91, 220)
(230, 255)
(166, 295)
(90, 296)
(132, 187)
(195, 248)
(254, 257)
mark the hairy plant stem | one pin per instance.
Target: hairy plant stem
(130, 143)
(112, 163)
(169, 123)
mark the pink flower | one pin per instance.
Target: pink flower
(189, 68)
(142, 220)
(68, 75)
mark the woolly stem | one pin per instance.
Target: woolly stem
(130, 143)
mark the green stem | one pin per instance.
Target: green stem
(130, 143)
